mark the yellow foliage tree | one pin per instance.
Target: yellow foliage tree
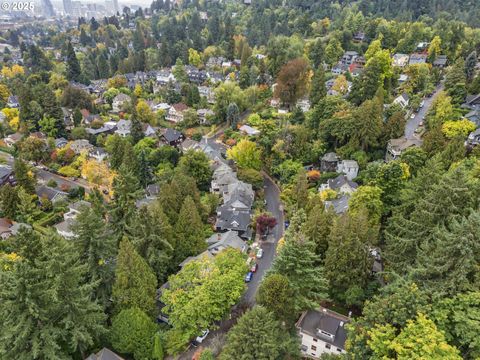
(97, 173)
(4, 93)
(328, 194)
(460, 128)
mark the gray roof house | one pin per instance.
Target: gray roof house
(340, 184)
(123, 127)
(79, 146)
(7, 175)
(329, 162)
(119, 101)
(221, 241)
(239, 196)
(45, 192)
(322, 331)
(104, 354)
(230, 219)
(221, 179)
(474, 116)
(349, 168)
(65, 228)
(339, 205)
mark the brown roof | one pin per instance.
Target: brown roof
(180, 107)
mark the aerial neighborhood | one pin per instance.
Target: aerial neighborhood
(240, 180)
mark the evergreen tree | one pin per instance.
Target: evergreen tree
(73, 66)
(298, 263)
(27, 210)
(348, 263)
(318, 90)
(317, 228)
(448, 264)
(97, 249)
(455, 82)
(470, 64)
(133, 333)
(136, 130)
(45, 306)
(144, 172)
(256, 336)
(135, 283)
(233, 115)
(197, 165)
(9, 201)
(369, 121)
(300, 190)
(276, 295)
(189, 235)
(23, 175)
(152, 236)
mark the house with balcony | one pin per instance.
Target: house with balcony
(175, 113)
(396, 147)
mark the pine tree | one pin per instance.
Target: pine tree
(300, 190)
(317, 228)
(9, 201)
(276, 295)
(256, 336)
(23, 175)
(97, 249)
(298, 263)
(152, 236)
(318, 90)
(144, 172)
(448, 264)
(73, 66)
(27, 210)
(369, 123)
(135, 283)
(45, 306)
(455, 82)
(189, 236)
(348, 263)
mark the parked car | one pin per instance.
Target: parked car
(422, 103)
(200, 338)
(412, 116)
(254, 267)
(248, 277)
(260, 253)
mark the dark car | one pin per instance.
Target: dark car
(248, 277)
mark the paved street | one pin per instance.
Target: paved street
(414, 123)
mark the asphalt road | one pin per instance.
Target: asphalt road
(413, 124)
(43, 176)
(272, 195)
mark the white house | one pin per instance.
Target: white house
(400, 60)
(124, 127)
(402, 100)
(175, 113)
(248, 130)
(119, 101)
(341, 184)
(349, 168)
(322, 331)
(81, 145)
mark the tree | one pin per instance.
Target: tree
(455, 82)
(46, 308)
(213, 285)
(152, 235)
(434, 48)
(189, 237)
(276, 295)
(340, 85)
(348, 262)
(225, 94)
(246, 154)
(420, 339)
(135, 283)
(256, 336)
(369, 122)
(292, 81)
(233, 115)
(179, 71)
(367, 198)
(73, 66)
(298, 263)
(265, 223)
(26, 208)
(458, 318)
(300, 190)
(470, 63)
(197, 165)
(133, 332)
(9, 201)
(459, 128)
(97, 250)
(194, 57)
(317, 228)
(333, 51)
(251, 176)
(144, 113)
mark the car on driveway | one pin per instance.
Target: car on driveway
(260, 253)
(200, 338)
(248, 277)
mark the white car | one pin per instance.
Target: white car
(260, 253)
(202, 337)
(412, 116)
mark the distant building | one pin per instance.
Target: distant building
(329, 162)
(417, 59)
(341, 184)
(322, 331)
(441, 61)
(396, 147)
(119, 102)
(175, 113)
(349, 168)
(402, 100)
(400, 60)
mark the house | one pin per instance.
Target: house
(104, 354)
(68, 118)
(221, 241)
(422, 46)
(339, 69)
(161, 106)
(81, 145)
(175, 113)
(472, 102)
(12, 102)
(107, 128)
(204, 115)
(248, 130)
(53, 195)
(473, 138)
(339, 205)
(172, 137)
(329, 162)
(120, 101)
(98, 153)
(152, 191)
(341, 184)
(7, 175)
(400, 60)
(304, 104)
(60, 142)
(164, 77)
(359, 37)
(322, 331)
(222, 177)
(239, 196)
(349, 168)
(65, 228)
(5, 228)
(403, 78)
(189, 144)
(12, 139)
(441, 61)
(396, 147)
(16, 227)
(349, 57)
(148, 130)
(474, 116)
(402, 100)
(75, 208)
(124, 127)
(417, 59)
(230, 219)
